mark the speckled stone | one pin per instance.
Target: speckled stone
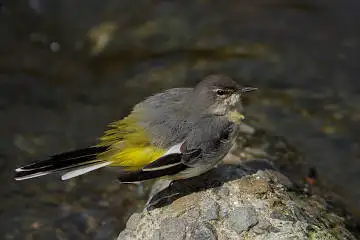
(133, 221)
(156, 235)
(210, 210)
(192, 215)
(277, 214)
(172, 228)
(203, 231)
(242, 219)
(262, 227)
(221, 192)
(126, 235)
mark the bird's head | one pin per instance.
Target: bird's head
(218, 95)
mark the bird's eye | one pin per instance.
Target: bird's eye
(220, 92)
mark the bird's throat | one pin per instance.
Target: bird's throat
(235, 116)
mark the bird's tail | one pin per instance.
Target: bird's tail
(75, 163)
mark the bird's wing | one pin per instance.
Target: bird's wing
(173, 159)
(164, 162)
(207, 145)
(139, 176)
(173, 162)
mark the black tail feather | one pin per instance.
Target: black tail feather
(60, 162)
(73, 157)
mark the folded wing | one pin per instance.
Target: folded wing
(172, 163)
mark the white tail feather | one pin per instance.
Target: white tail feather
(32, 176)
(83, 170)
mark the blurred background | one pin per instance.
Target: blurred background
(67, 68)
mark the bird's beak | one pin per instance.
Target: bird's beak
(247, 89)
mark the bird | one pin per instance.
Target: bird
(175, 134)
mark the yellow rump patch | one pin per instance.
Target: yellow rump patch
(134, 158)
(129, 145)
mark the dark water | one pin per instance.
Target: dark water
(67, 69)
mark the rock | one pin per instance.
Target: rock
(210, 210)
(172, 228)
(222, 191)
(262, 227)
(126, 235)
(277, 214)
(192, 215)
(203, 231)
(156, 235)
(133, 221)
(242, 219)
(252, 208)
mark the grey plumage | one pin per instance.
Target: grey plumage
(168, 123)
(214, 136)
(198, 118)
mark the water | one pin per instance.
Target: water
(109, 55)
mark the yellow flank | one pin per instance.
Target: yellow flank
(129, 145)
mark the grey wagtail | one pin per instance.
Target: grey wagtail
(176, 134)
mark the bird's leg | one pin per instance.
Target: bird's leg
(158, 187)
